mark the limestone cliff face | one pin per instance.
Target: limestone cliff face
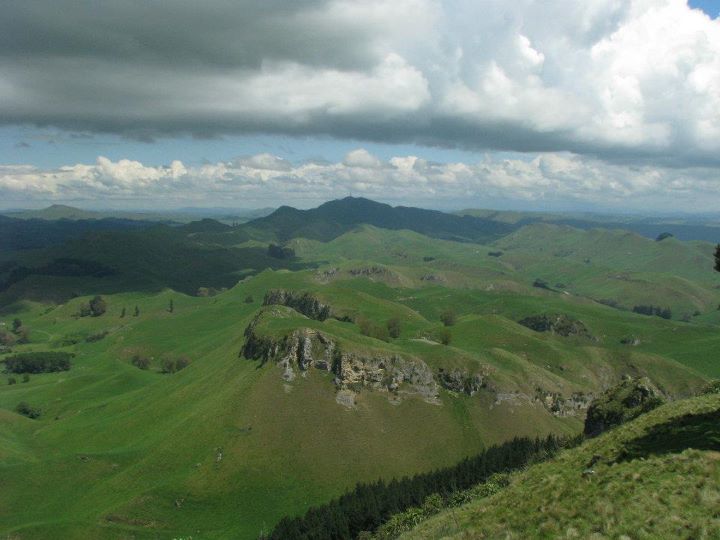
(558, 405)
(304, 303)
(306, 348)
(390, 373)
(461, 381)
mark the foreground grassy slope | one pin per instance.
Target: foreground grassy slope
(656, 477)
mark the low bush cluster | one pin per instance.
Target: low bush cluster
(26, 410)
(173, 365)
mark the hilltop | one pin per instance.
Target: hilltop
(334, 218)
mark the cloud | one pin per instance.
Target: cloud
(547, 179)
(635, 81)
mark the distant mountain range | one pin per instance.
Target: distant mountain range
(334, 218)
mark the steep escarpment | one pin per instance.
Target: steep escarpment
(304, 349)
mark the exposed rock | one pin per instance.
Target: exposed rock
(346, 398)
(559, 405)
(327, 275)
(368, 271)
(304, 303)
(432, 278)
(633, 341)
(461, 381)
(386, 373)
(558, 324)
(307, 348)
(621, 403)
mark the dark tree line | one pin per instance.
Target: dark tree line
(38, 362)
(665, 313)
(368, 506)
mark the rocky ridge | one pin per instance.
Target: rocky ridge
(306, 348)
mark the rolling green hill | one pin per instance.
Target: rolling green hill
(334, 218)
(295, 389)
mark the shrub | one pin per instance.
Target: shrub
(140, 361)
(445, 336)
(26, 378)
(393, 327)
(96, 337)
(12, 380)
(249, 299)
(448, 317)
(541, 284)
(7, 339)
(98, 306)
(23, 334)
(26, 410)
(169, 365)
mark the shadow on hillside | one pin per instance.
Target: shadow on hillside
(698, 431)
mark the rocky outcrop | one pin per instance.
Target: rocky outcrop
(462, 382)
(391, 373)
(558, 405)
(621, 403)
(368, 271)
(306, 348)
(558, 324)
(304, 303)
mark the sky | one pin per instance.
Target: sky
(605, 105)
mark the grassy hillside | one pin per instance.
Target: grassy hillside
(229, 445)
(656, 477)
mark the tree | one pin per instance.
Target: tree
(7, 339)
(140, 361)
(393, 326)
(445, 336)
(23, 334)
(137, 312)
(280, 252)
(16, 325)
(171, 306)
(167, 365)
(663, 236)
(448, 317)
(97, 306)
(122, 313)
(26, 378)
(717, 258)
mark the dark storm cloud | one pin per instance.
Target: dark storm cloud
(623, 81)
